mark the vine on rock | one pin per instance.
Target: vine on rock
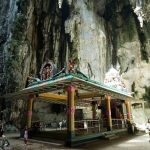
(12, 66)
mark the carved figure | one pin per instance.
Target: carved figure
(47, 70)
(28, 80)
(71, 66)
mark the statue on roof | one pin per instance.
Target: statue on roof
(71, 66)
(30, 79)
(47, 70)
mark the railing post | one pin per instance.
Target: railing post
(99, 124)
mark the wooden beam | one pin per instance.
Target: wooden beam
(87, 96)
(52, 96)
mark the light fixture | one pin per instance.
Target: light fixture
(60, 3)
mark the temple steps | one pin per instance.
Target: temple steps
(110, 136)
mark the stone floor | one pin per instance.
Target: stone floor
(138, 141)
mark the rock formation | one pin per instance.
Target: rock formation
(95, 34)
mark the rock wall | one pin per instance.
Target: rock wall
(96, 34)
(90, 39)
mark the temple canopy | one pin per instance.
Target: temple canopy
(86, 89)
(114, 79)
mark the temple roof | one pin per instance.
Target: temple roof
(52, 89)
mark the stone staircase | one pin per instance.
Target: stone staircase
(110, 136)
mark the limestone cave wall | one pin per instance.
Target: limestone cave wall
(96, 34)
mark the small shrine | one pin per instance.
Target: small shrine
(114, 79)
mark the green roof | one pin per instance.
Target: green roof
(58, 82)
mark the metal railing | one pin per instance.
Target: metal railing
(88, 124)
(43, 124)
(83, 124)
(119, 123)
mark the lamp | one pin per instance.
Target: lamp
(60, 3)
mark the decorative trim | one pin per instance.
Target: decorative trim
(70, 110)
(108, 112)
(29, 113)
(109, 97)
(30, 96)
(94, 115)
(70, 88)
(128, 113)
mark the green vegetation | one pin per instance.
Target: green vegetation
(10, 81)
(19, 26)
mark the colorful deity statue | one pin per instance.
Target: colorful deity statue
(29, 80)
(43, 76)
(71, 66)
(47, 70)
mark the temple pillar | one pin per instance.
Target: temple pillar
(108, 113)
(29, 110)
(128, 110)
(70, 112)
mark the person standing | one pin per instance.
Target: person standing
(1, 128)
(60, 125)
(148, 128)
(25, 135)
